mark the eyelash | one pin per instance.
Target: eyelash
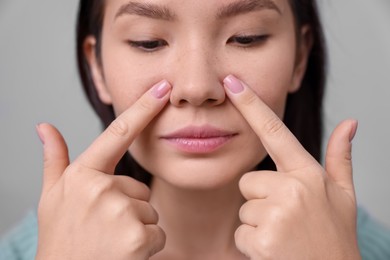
(148, 46)
(243, 41)
(248, 41)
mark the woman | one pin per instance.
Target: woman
(170, 72)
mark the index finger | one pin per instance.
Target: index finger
(105, 152)
(283, 147)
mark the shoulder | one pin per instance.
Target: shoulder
(373, 237)
(21, 242)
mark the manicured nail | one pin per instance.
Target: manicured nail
(40, 135)
(354, 130)
(161, 89)
(233, 84)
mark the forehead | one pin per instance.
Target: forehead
(179, 9)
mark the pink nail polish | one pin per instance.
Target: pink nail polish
(40, 135)
(161, 89)
(354, 130)
(233, 84)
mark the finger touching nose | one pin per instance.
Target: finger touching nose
(105, 152)
(283, 147)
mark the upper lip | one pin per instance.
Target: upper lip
(199, 132)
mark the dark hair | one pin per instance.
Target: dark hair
(303, 113)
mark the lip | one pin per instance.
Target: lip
(199, 139)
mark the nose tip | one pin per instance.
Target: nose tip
(197, 81)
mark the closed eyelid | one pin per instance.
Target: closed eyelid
(148, 45)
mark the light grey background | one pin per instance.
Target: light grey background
(38, 83)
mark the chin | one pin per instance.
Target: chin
(199, 173)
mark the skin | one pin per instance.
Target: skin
(196, 61)
(193, 84)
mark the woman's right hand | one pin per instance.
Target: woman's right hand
(87, 212)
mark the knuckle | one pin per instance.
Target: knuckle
(139, 237)
(255, 244)
(265, 245)
(297, 192)
(277, 215)
(118, 128)
(139, 234)
(239, 234)
(242, 182)
(274, 126)
(144, 191)
(247, 212)
(347, 157)
(265, 250)
(297, 188)
(159, 240)
(74, 168)
(242, 212)
(345, 160)
(99, 185)
(318, 176)
(139, 190)
(249, 99)
(246, 179)
(120, 208)
(241, 238)
(81, 183)
(144, 106)
(155, 215)
(72, 174)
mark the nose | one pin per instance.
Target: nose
(196, 79)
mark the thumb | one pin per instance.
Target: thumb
(338, 160)
(55, 154)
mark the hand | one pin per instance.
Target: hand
(303, 211)
(86, 212)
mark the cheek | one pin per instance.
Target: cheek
(126, 78)
(270, 76)
(127, 75)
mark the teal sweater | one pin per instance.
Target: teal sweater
(21, 242)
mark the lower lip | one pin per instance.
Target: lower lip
(199, 145)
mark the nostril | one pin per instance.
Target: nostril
(182, 102)
(214, 101)
(211, 100)
(197, 93)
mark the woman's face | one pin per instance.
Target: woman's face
(199, 140)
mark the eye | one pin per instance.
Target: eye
(148, 46)
(248, 40)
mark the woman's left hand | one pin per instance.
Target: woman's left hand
(303, 211)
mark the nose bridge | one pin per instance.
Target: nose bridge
(197, 81)
(197, 66)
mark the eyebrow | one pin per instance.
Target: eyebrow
(246, 6)
(145, 9)
(164, 13)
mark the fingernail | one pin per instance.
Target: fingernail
(40, 135)
(161, 89)
(354, 130)
(233, 84)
